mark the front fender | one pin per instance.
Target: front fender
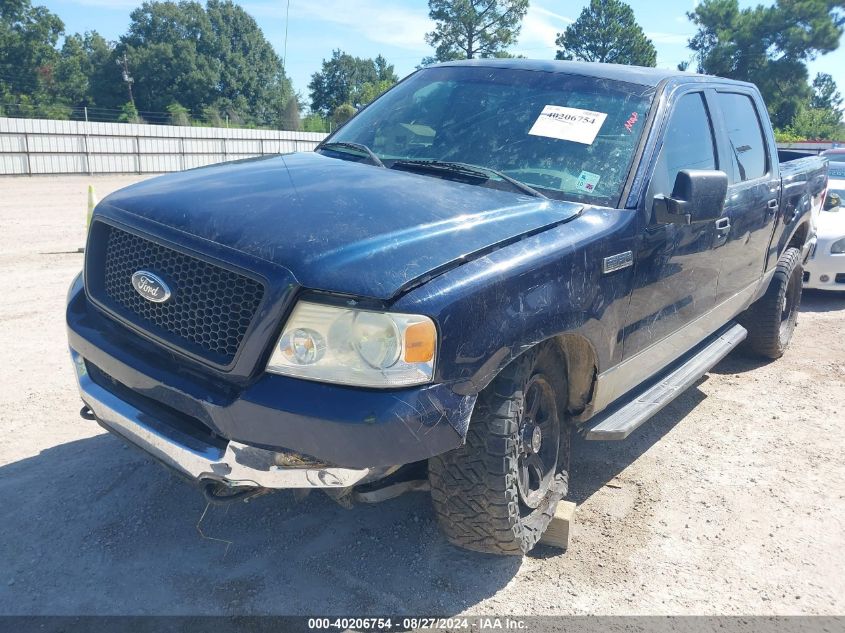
(493, 308)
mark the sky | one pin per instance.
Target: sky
(396, 29)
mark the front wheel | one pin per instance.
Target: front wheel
(771, 320)
(498, 492)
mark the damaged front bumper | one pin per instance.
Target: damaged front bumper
(231, 463)
(272, 432)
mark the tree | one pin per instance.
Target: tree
(213, 56)
(466, 29)
(179, 114)
(28, 55)
(129, 113)
(606, 31)
(290, 115)
(314, 123)
(817, 124)
(825, 94)
(768, 45)
(342, 114)
(343, 78)
(371, 90)
(79, 71)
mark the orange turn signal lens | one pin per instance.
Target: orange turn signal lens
(420, 340)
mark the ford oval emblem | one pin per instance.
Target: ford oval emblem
(150, 286)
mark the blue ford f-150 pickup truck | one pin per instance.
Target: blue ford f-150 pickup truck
(491, 256)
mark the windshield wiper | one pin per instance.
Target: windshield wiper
(467, 169)
(375, 160)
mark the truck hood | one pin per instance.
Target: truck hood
(338, 225)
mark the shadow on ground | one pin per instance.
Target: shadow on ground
(91, 527)
(595, 463)
(822, 301)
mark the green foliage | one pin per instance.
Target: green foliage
(212, 59)
(342, 114)
(825, 94)
(290, 115)
(817, 124)
(372, 89)
(28, 55)
(343, 78)
(179, 114)
(788, 136)
(315, 123)
(205, 57)
(768, 45)
(79, 71)
(129, 113)
(211, 117)
(466, 29)
(606, 31)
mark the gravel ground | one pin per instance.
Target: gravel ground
(728, 502)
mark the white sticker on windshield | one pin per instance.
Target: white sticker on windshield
(587, 181)
(568, 124)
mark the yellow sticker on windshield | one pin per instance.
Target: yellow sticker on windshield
(568, 124)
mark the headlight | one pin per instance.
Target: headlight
(838, 247)
(355, 347)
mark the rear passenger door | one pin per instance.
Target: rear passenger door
(745, 229)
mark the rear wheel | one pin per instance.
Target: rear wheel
(771, 320)
(498, 492)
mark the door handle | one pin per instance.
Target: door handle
(772, 206)
(723, 229)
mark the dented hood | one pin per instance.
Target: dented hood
(338, 225)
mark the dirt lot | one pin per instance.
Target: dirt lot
(731, 501)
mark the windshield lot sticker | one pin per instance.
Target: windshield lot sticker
(568, 124)
(629, 124)
(587, 181)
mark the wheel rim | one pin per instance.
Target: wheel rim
(789, 307)
(538, 440)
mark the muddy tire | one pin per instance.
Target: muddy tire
(771, 320)
(498, 492)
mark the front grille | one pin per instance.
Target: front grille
(840, 278)
(209, 312)
(806, 276)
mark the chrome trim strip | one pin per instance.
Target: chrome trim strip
(196, 459)
(621, 378)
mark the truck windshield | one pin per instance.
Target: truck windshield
(568, 136)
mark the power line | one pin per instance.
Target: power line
(285, 49)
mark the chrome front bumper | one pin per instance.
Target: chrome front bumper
(236, 465)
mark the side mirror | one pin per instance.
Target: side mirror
(698, 196)
(832, 201)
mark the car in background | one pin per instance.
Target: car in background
(825, 270)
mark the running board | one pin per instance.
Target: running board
(620, 422)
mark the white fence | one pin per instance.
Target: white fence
(35, 146)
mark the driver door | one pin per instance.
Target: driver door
(677, 270)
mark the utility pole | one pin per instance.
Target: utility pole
(127, 78)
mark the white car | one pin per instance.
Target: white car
(825, 270)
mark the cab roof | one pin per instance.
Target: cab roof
(617, 72)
